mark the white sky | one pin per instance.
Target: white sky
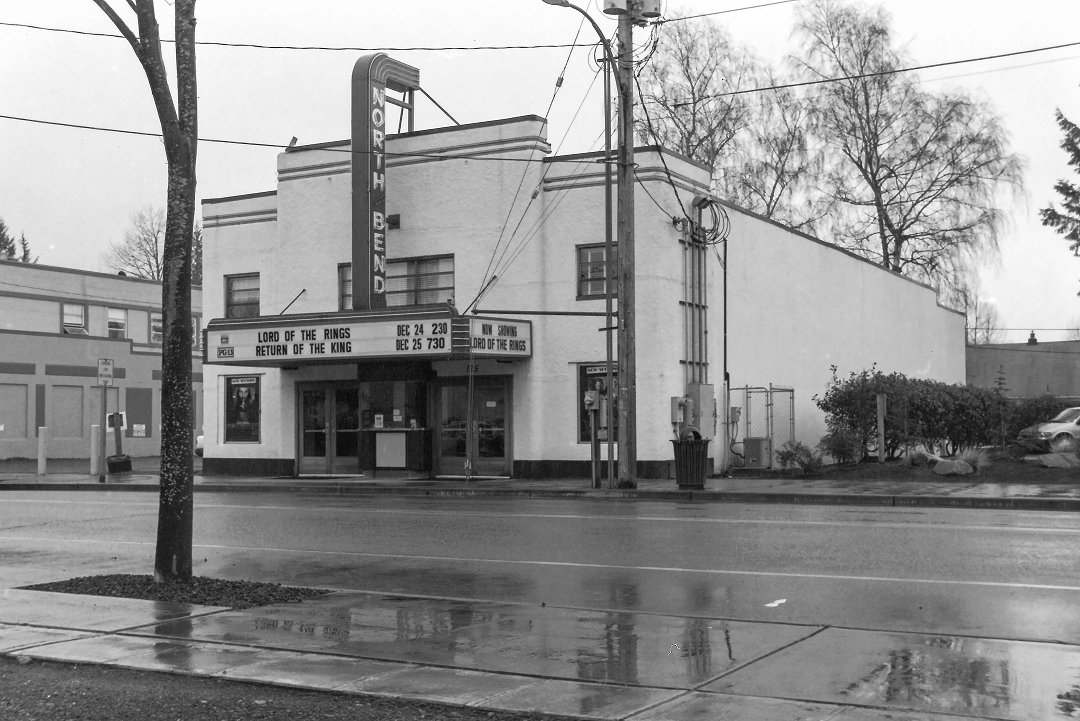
(72, 191)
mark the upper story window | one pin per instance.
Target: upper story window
(344, 275)
(157, 330)
(419, 281)
(117, 323)
(592, 270)
(242, 296)
(74, 320)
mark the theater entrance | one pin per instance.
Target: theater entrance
(329, 430)
(486, 445)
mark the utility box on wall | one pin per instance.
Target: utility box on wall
(703, 410)
(758, 452)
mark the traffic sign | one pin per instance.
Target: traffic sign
(105, 371)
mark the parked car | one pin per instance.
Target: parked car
(1062, 428)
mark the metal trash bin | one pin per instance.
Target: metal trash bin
(691, 463)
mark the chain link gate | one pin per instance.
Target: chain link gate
(766, 421)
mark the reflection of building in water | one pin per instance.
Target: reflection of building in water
(696, 649)
(947, 674)
(617, 659)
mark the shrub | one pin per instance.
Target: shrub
(977, 458)
(842, 444)
(794, 453)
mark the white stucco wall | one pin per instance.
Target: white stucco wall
(797, 306)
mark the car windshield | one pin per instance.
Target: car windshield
(1066, 416)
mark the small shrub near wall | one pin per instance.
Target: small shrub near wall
(794, 454)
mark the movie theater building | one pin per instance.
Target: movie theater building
(431, 303)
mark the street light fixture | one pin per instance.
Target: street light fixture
(609, 61)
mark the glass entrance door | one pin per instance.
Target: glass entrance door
(330, 430)
(314, 431)
(485, 442)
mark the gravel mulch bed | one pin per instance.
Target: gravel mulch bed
(200, 591)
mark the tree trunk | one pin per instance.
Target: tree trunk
(172, 560)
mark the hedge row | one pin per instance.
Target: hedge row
(937, 415)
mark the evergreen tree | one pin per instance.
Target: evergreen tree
(12, 249)
(1067, 220)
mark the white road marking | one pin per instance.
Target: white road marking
(570, 564)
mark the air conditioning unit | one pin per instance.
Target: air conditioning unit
(757, 452)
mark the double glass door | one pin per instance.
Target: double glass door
(483, 442)
(329, 430)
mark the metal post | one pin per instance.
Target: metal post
(42, 446)
(95, 450)
(104, 429)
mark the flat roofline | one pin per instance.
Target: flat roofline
(420, 133)
(80, 271)
(243, 196)
(637, 149)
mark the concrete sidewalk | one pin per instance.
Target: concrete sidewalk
(960, 493)
(584, 663)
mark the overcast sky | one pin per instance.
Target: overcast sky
(73, 191)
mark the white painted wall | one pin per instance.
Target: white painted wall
(796, 306)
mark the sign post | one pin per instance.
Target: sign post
(105, 379)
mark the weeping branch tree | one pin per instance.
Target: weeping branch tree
(686, 85)
(1066, 221)
(917, 175)
(775, 162)
(695, 101)
(179, 129)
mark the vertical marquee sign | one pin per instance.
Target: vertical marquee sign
(371, 77)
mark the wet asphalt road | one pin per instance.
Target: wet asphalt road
(1001, 574)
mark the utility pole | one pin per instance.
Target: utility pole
(627, 363)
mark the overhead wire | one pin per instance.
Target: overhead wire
(484, 282)
(321, 48)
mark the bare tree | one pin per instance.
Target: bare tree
(774, 163)
(686, 86)
(756, 145)
(917, 174)
(141, 252)
(982, 322)
(179, 129)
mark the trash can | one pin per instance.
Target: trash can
(691, 462)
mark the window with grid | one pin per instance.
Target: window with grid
(242, 296)
(419, 281)
(74, 320)
(117, 323)
(592, 269)
(157, 329)
(344, 275)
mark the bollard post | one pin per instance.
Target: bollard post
(95, 449)
(42, 447)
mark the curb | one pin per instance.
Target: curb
(837, 499)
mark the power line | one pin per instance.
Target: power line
(723, 12)
(881, 73)
(323, 48)
(251, 143)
